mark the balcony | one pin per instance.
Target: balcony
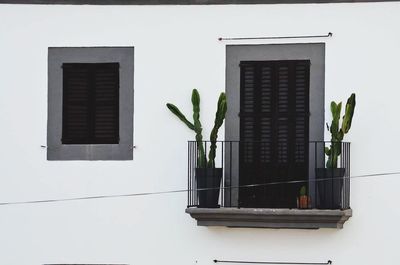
(261, 184)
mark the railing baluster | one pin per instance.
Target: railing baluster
(223, 175)
(230, 174)
(189, 174)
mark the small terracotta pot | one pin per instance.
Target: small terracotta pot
(304, 202)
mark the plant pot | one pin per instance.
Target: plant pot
(304, 202)
(329, 187)
(208, 178)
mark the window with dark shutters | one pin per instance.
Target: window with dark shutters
(274, 120)
(90, 103)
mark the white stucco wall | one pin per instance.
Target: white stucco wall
(176, 49)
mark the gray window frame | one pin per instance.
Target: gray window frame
(315, 52)
(59, 55)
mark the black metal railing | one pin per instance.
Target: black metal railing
(270, 175)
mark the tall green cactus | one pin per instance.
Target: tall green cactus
(197, 128)
(202, 160)
(337, 132)
(219, 119)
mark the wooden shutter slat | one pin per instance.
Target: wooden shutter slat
(106, 98)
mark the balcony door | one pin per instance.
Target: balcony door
(274, 132)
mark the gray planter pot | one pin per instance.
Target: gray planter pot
(208, 178)
(329, 187)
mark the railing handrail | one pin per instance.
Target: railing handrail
(238, 141)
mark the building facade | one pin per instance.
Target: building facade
(54, 55)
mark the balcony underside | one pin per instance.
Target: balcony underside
(270, 218)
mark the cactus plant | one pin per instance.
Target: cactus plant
(219, 119)
(303, 191)
(338, 132)
(197, 127)
(303, 201)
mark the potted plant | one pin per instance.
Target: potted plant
(208, 177)
(303, 201)
(330, 178)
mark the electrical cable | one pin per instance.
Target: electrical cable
(187, 190)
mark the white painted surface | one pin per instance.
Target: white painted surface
(176, 49)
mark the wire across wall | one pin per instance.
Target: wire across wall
(186, 190)
(328, 35)
(272, 262)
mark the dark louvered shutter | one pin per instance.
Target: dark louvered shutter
(90, 103)
(274, 115)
